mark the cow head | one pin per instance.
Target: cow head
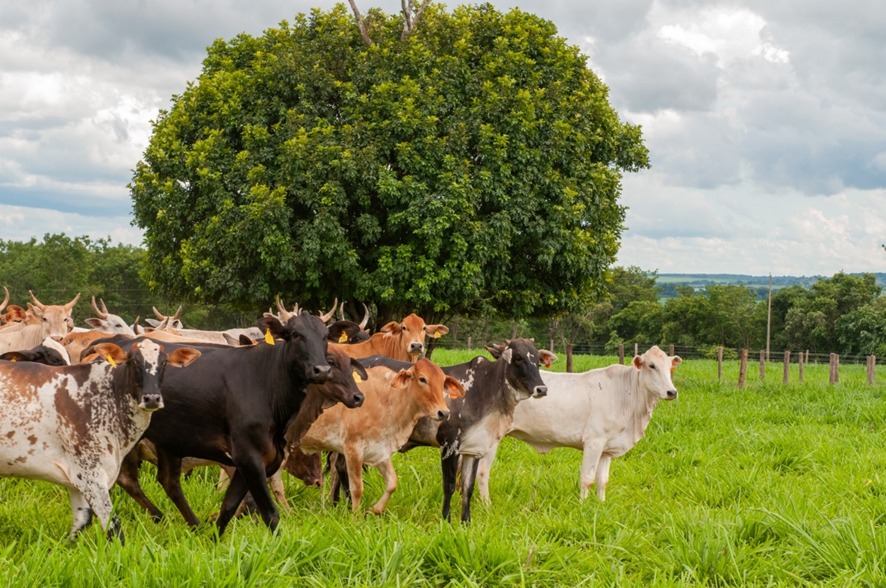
(349, 332)
(304, 337)
(107, 322)
(411, 332)
(429, 386)
(342, 385)
(55, 320)
(523, 359)
(144, 366)
(655, 367)
(163, 322)
(305, 467)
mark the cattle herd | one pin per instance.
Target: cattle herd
(83, 408)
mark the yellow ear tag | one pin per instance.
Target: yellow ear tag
(343, 338)
(13, 359)
(436, 334)
(269, 339)
(111, 361)
(357, 377)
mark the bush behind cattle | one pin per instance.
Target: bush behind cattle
(771, 485)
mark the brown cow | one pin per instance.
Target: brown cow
(404, 341)
(370, 434)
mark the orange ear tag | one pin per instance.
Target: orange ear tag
(269, 339)
(343, 338)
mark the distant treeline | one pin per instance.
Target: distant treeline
(844, 313)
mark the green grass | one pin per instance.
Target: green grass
(771, 485)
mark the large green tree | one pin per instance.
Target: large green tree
(473, 163)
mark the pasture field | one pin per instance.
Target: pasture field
(774, 485)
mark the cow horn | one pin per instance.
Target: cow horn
(73, 302)
(177, 314)
(5, 300)
(341, 310)
(157, 313)
(285, 315)
(98, 313)
(36, 302)
(328, 315)
(365, 320)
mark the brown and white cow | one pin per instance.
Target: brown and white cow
(394, 402)
(404, 341)
(603, 412)
(72, 425)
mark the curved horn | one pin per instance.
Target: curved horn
(341, 311)
(71, 304)
(36, 302)
(326, 316)
(365, 320)
(98, 313)
(5, 300)
(177, 314)
(157, 313)
(285, 315)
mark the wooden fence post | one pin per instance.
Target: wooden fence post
(470, 344)
(621, 354)
(762, 365)
(636, 349)
(719, 364)
(833, 372)
(802, 363)
(569, 357)
(872, 365)
(787, 365)
(671, 350)
(743, 368)
(551, 346)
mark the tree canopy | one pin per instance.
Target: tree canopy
(475, 163)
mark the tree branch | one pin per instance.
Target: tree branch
(360, 24)
(411, 16)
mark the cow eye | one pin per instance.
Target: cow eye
(423, 380)
(652, 366)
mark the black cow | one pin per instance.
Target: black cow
(480, 418)
(235, 408)
(39, 354)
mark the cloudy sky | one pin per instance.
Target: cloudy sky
(765, 120)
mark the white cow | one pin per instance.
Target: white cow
(44, 320)
(604, 412)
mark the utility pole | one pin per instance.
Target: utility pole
(769, 317)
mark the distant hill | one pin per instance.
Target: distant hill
(668, 283)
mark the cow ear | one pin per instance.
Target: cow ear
(437, 331)
(359, 369)
(183, 356)
(34, 310)
(270, 323)
(109, 352)
(546, 357)
(494, 350)
(14, 312)
(152, 322)
(454, 387)
(675, 361)
(638, 361)
(94, 322)
(14, 356)
(392, 327)
(401, 379)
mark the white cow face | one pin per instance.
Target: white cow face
(655, 373)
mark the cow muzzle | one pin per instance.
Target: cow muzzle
(356, 400)
(539, 391)
(442, 415)
(670, 395)
(151, 402)
(321, 373)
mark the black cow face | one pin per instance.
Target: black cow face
(523, 360)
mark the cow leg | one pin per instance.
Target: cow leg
(169, 471)
(278, 490)
(386, 468)
(483, 470)
(602, 477)
(128, 480)
(354, 463)
(449, 464)
(234, 495)
(589, 460)
(254, 473)
(94, 495)
(81, 511)
(468, 476)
